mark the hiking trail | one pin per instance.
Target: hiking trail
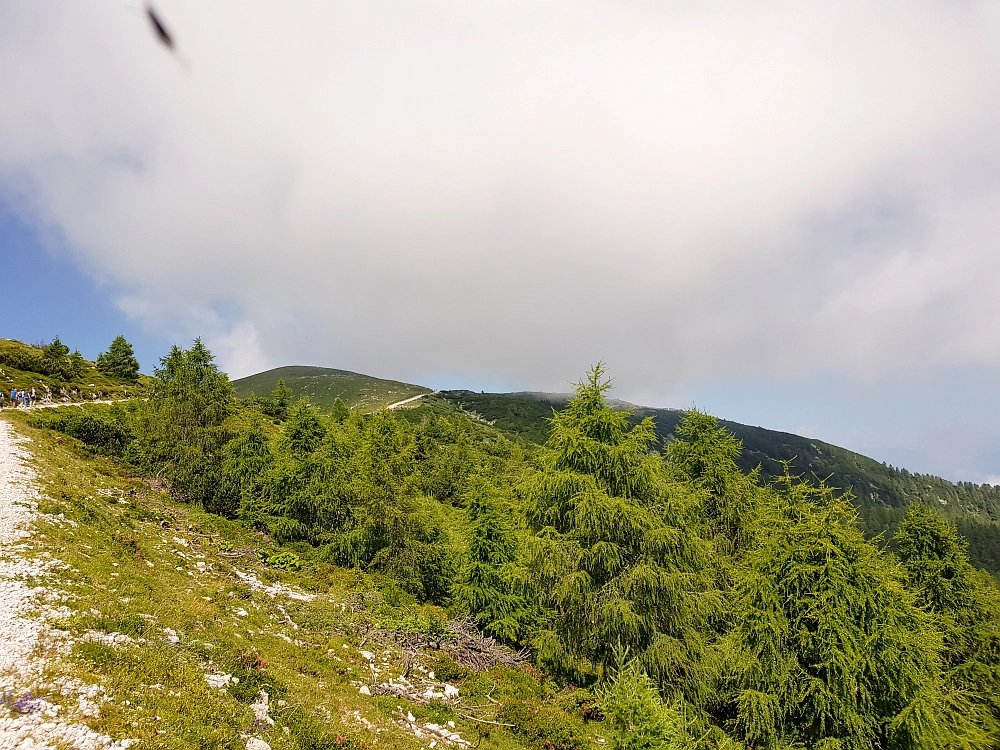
(39, 707)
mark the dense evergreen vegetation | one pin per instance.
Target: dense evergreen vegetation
(708, 606)
(881, 493)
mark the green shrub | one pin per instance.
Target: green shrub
(285, 560)
(447, 669)
(104, 432)
(543, 725)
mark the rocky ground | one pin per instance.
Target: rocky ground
(39, 706)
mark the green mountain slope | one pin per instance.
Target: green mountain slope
(321, 386)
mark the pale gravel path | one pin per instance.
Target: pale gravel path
(21, 668)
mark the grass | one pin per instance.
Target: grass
(321, 386)
(143, 565)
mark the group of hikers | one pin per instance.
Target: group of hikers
(18, 398)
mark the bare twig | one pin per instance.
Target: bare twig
(483, 721)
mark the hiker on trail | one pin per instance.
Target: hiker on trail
(34, 398)
(13, 398)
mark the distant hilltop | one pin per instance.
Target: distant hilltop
(322, 386)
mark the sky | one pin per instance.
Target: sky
(786, 213)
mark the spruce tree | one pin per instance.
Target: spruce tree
(119, 361)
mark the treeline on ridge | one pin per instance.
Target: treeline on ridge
(709, 608)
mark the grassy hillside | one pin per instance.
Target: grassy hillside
(164, 596)
(321, 386)
(17, 363)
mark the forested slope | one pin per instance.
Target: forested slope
(881, 492)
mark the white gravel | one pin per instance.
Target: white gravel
(27, 643)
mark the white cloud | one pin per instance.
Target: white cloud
(514, 190)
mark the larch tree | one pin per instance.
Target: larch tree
(965, 603)
(829, 648)
(617, 556)
(489, 584)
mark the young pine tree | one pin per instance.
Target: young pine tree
(642, 721)
(119, 361)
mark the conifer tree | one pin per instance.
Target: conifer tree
(245, 460)
(304, 430)
(280, 397)
(937, 560)
(617, 556)
(56, 350)
(828, 648)
(180, 431)
(488, 582)
(633, 707)
(74, 366)
(706, 455)
(340, 412)
(119, 361)
(965, 603)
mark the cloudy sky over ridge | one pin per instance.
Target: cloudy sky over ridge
(788, 214)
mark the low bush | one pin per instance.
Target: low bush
(104, 433)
